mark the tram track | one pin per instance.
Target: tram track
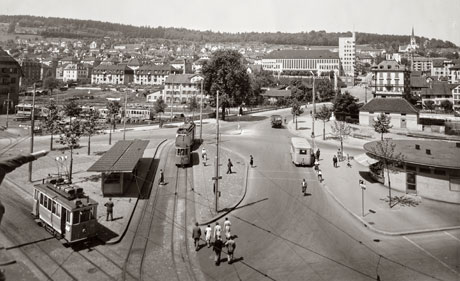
(136, 253)
(13, 144)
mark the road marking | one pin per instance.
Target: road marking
(447, 233)
(429, 254)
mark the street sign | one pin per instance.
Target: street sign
(214, 178)
(362, 184)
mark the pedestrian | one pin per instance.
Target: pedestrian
(304, 187)
(204, 156)
(317, 154)
(285, 121)
(316, 165)
(334, 160)
(109, 205)
(348, 160)
(162, 178)
(229, 166)
(196, 234)
(227, 226)
(217, 231)
(231, 245)
(218, 244)
(207, 234)
(320, 176)
(251, 161)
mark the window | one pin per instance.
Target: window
(76, 217)
(85, 215)
(41, 199)
(411, 168)
(49, 204)
(439, 172)
(303, 151)
(53, 207)
(67, 215)
(424, 170)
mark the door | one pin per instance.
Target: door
(371, 119)
(411, 182)
(403, 123)
(63, 220)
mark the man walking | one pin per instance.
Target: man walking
(304, 187)
(162, 178)
(251, 161)
(334, 160)
(109, 205)
(196, 234)
(208, 233)
(229, 166)
(217, 231)
(204, 156)
(218, 244)
(227, 226)
(320, 176)
(231, 245)
(317, 154)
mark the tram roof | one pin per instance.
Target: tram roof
(50, 191)
(300, 142)
(122, 157)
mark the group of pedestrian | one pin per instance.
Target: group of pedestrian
(216, 235)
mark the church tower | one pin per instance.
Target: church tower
(413, 44)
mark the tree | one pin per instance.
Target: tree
(91, 126)
(193, 105)
(324, 113)
(341, 130)
(113, 108)
(51, 122)
(446, 105)
(226, 73)
(385, 151)
(50, 83)
(160, 106)
(325, 88)
(345, 105)
(429, 104)
(383, 124)
(296, 110)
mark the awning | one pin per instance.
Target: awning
(121, 158)
(365, 160)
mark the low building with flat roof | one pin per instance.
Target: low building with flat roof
(429, 168)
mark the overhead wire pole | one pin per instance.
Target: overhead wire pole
(201, 113)
(124, 116)
(32, 127)
(7, 109)
(217, 154)
(313, 113)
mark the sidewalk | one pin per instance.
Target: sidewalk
(232, 187)
(414, 215)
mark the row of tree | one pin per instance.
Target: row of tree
(89, 28)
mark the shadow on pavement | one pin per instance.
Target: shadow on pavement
(246, 205)
(366, 175)
(104, 235)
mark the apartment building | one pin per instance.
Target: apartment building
(151, 74)
(119, 74)
(347, 54)
(391, 79)
(10, 73)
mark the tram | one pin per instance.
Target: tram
(65, 211)
(301, 152)
(185, 137)
(24, 111)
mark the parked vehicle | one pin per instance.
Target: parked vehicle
(277, 121)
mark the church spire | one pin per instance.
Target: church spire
(412, 31)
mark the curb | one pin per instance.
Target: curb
(384, 232)
(135, 204)
(229, 210)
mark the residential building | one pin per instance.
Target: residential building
(418, 82)
(441, 68)
(422, 64)
(454, 74)
(180, 88)
(31, 70)
(456, 98)
(68, 60)
(391, 79)
(183, 65)
(403, 114)
(77, 72)
(10, 73)
(119, 74)
(428, 168)
(301, 60)
(134, 64)
(347, 54)
(93, 45)
(363, 58)
(151, 74)
(438, 92)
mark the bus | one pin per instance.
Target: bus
(24, 111)
(301, 152)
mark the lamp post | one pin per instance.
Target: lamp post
(124, 116)
(216, 183)
(313, 112)
(7, 109)
(32, 127)
(201, 112)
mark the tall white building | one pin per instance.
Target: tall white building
(347, 54)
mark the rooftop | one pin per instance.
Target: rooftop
(438, 89)
(277, 93)
(389, 65)
(302, 54)
(442, 154)
(179, 78)
(122, 157)
(391, 105)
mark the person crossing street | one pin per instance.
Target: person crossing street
(304, 187)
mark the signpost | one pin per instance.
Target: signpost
(363, 187)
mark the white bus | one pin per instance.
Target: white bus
(301, 152)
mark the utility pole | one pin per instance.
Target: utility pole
(32, 127)
(217, 154)
(7, 109)
(313, 113)
(124, 116)
(172, 97)
(201, 113)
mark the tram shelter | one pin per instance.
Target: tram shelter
(119, 166)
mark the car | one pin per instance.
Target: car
(277, 121)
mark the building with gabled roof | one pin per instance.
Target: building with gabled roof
(438, 92)
(119, 74)
(391, 79)
(151, 74)
(403, 114)
(10, 74)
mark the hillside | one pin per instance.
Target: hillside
(73, 28)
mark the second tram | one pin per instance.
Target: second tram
(185, 137)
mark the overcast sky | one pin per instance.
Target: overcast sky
(430, 18)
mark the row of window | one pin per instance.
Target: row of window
(9, 70)
(52, 206)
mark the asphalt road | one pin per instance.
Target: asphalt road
(283, 235)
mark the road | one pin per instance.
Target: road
(283, 235)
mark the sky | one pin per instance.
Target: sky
(430, 18)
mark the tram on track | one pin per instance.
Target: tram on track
(185, 138)
(65, 211)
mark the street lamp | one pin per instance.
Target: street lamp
(313, 112)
